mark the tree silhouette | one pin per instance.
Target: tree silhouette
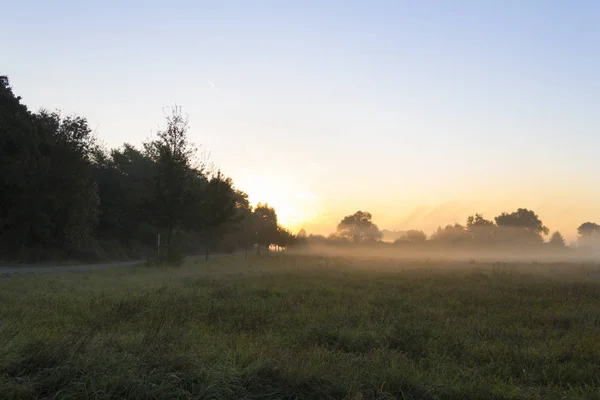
(412, 236)
(589, 234)
(358, 228)
(301, 238)
(48, 197)
(450, 235)
(522, 218)
(173, 155)
(284, 238)
(64, 196)
(242, 229)
(481, 230)
(124, 178)
(521, 226)
(217, 208)
(266, 226)
(557, 240)
(588, 229)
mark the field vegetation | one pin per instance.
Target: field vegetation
(304, 327)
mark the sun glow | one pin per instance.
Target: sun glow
(294, 206)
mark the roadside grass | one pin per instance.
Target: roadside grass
(303, 327)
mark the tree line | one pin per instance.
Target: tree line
(64, 196)
(519, 229)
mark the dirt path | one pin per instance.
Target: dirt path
(32, 269)
(36, 269)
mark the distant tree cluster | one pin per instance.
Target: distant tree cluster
(358, 228)
(64, 196)
(589, 234)
(521, 228)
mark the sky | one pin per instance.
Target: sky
(420, 112)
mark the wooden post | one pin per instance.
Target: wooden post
(158, 248)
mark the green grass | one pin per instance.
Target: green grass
(297, 327)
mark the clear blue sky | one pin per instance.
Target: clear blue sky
(420, 112)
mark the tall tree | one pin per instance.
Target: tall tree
(68, 180)
(522, 226)
(173, 155)
(301, 238)
(20, 208)
(557, 240)
(589, 234)
(48, 198)
(588, 229)
(219, 208)
(284, 238)
(265, 218)
(481, 230)
(358, 228)
(240, 231)
(125, 179)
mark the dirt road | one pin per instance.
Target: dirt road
(37, 269)
(32, 269)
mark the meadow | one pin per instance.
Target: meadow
(304, 327)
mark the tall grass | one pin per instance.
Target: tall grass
(303, 328)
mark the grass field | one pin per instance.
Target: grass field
(304, 327)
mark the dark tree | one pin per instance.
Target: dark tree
(125, 180)
(63, 196)
(522, 218)
(358, 228)
(218, 208)
(557, 240)
(48, 198)
(244, 228)
(21, 210)
(450, 235)
(301, 238)
(173, 197)
(589, 234)
(266, 226)
(522, 226)
(412, 236)
(284, 238)
(588, 229)
(481, 230)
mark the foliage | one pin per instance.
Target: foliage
(522, 225)
(285, 238)
(588, 229)
(412, 236)
(62, 196)
(481, 230)
(219, 206)
(172, 198)
(557, 240)
(450, 235)
(265, 219)
(589, 234)
(359, 228)
(48, 198)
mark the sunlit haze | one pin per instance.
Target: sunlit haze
(419, 112)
